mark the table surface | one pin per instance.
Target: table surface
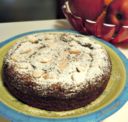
(8, 30)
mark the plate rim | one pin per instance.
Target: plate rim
(13, 115)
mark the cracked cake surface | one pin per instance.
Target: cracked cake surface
(56, 64)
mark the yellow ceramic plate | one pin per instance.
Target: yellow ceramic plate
(114, 88)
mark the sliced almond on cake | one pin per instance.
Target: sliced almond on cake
(17, 58)
(25, 50)
(37, 73)
(74, 51)
(45, 59)
(23, 65)
(46, 75)
(73, 43)
(14, 58)
(63, 64)
(32, 38)
(80, 68)
(78, 77)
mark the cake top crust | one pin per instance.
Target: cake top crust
(58, 59)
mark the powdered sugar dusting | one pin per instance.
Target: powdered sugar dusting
(70, 60)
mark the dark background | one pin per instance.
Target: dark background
(27, 10)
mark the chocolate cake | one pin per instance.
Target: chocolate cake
(56, 71)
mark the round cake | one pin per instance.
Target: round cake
(56, 71)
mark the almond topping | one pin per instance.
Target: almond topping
(78, 76)
(45, 60)
(37, 73)
(27, 50)
(80, 68)
(73, 43)
(46, 38)
(46, 76)
(63, 64)
(32, 39)
(14, 58)
(77, 52)
(22, 66)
